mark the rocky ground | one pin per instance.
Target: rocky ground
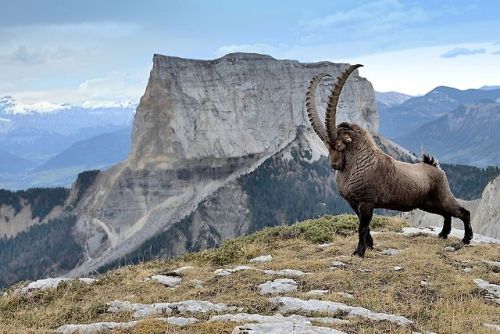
(288, 279)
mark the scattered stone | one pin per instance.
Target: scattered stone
(391, 252)
(283, 328)
(492, 326)
(424, 283)
(198, 284)
(398, 268)
(97, 327)
(277, 286)
(286, 272)
(100, 327)
(227, 272)
(493, 264)
(170, 281)
(147, 310)
(287, 304)
(364, 270)
(325, 245)
(492, 290)
(179, 321)
(317, 292)
(331, 321)
(449, 249)
(478, 239)
(49, 283)
(467, 270)
(248, 317)
(297, 320)
(337, 265)
(262, 259)
(182, 269)
(345, 295)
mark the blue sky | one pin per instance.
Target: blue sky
(101, 51)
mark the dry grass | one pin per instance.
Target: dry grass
(449, 304)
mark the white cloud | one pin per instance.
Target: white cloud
(252, 48)
(417, 71)
(371, 17)
(462, 52)
(38, 56)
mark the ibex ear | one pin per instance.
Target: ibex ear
(346, 139)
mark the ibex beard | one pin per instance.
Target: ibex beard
(367, 178)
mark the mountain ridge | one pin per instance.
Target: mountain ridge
(416, 111)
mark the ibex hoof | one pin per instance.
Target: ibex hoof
(359, 253)
(443, 235)
(466, 240)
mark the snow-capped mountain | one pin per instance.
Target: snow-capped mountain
(39, 132)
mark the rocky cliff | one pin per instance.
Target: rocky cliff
(201, 126)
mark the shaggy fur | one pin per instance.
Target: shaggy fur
(367, 178)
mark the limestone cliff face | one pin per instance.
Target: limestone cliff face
(486, 218)
(235, 106)
(199, 127)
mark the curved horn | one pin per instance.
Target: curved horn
(331, 108)
(312, 112)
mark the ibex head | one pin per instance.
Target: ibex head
(335, 141)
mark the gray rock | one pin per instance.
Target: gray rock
(345, 295)
(286, 272)
(49, 283)
(100, 327)
(337, 265)
(279, 285)
(147, 310)
(494, 264)
(170, 281)
(391, 251)
(287, 304)
(283, 328)
(317, 292)
(227, 272)
(493, 327)
(262, 259)
(492, 290)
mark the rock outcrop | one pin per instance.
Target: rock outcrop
(486, 217)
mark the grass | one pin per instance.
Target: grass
(449, 304)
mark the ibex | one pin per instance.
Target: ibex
(367, 178)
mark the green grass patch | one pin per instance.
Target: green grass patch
(314, 230)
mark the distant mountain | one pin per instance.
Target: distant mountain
(490, 87)
(10, 163)
(391, 99)
(402, 119)
(97, 152)
(39, 134)
(468, 135)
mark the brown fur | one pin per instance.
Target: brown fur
(368, 178)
